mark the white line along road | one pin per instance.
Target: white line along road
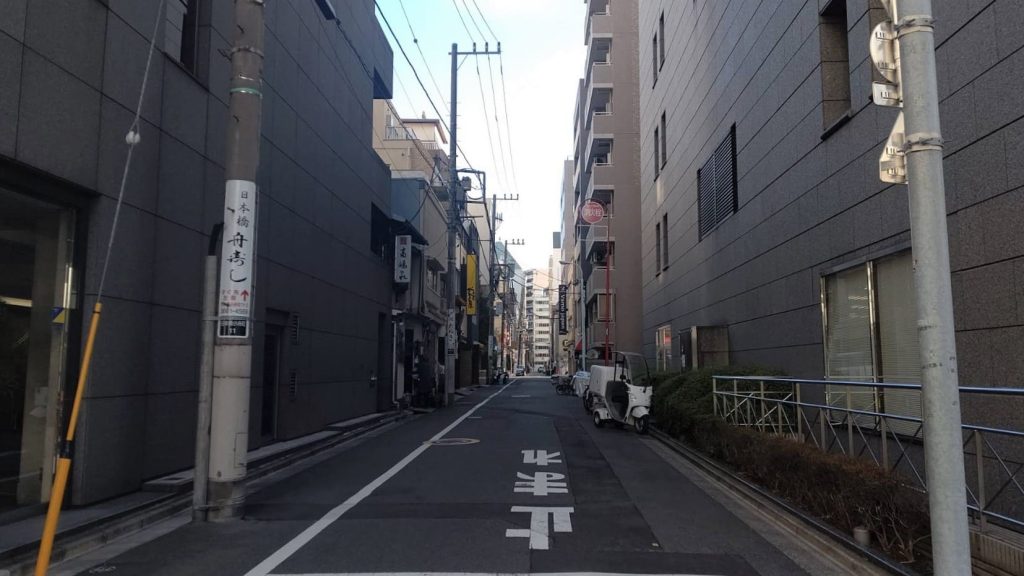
(293, 546)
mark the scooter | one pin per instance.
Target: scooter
(621, 393)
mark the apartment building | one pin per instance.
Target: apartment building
(606, 171)
(763, 212)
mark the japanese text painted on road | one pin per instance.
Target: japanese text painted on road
(236, 264)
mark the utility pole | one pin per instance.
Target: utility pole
(454, 221)
(903, 50)
(229, 428)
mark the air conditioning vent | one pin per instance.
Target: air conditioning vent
(293, 384)
(293, 328)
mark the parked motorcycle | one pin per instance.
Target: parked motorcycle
(621, 393)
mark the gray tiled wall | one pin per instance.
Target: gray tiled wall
(71, 75)
(808, 203)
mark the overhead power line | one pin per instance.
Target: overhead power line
(508, 131)
(419, 80)
(484, 20)
(416, 42)
(463, 20)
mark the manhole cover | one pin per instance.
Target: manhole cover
(452, 441)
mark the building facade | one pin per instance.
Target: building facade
(607, 171)
(414, 151)
(322, 343)
(538, 318)
(763, 212)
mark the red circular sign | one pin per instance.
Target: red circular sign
(592, 212)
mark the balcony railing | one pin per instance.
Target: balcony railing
(851, 421)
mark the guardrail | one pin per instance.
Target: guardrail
(850, 416)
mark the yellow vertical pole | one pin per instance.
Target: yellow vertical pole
(64, 461)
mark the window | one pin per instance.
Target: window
(657, 153)
(886, 350)
(664, 146)
(654, 60)
(181, 32)
(663, 344)
(835, 64)
(661, 34)
(664, 241)
(657, 248)
(716, 185)
(606, 307)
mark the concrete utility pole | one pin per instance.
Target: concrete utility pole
(229, 429)
(454, 221)
(903, 50)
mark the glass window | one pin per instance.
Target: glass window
(871, 335)
(663, 344)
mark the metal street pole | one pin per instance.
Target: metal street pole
(200, 478)
(451, 336)
(229, 428)
(454, 212)
(943, 438)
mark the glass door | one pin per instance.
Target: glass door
(35, 297)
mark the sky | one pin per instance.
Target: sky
(542, 57)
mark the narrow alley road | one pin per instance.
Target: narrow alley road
(514, 479)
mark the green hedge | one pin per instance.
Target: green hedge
(846, 492)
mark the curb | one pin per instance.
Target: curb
(843, 549)
(79, 540)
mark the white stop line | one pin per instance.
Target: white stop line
(485, 574)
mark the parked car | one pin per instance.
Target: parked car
(520, 371)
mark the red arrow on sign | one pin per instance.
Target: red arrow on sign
(245, 294)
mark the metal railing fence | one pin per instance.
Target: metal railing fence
(850, 417)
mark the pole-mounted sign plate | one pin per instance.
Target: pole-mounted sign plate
(234, 308)
(892, 166)
(592, 212)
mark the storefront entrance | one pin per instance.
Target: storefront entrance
(35, 297)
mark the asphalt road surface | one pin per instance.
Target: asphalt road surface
(512, 480)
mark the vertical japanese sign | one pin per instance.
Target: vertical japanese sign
(403, 256)
(563, 309)
(451, 336)
(471, 284)
(236, 264)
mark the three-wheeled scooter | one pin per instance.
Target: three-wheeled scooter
(621, 393)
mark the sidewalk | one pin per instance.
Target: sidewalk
(88, 527)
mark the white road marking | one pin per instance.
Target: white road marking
(520, 395)
(539, 525)
(483, 574)
(282, 554)
(542, 483)
(541, 457)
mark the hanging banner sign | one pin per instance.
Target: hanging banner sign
(236, 265)
(471, 284)
(563, 309)
(403, 258)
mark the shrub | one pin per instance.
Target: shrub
(846, 492)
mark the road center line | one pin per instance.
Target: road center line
(282, 554)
